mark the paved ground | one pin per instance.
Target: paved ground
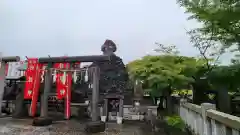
(9, 126)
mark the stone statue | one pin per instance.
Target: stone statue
(109, 47)
(113, 74)
(138, 90)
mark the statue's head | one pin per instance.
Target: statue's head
(109, 47)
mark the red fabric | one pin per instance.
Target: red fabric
(59, 84)
(30, 77)
(56, 65)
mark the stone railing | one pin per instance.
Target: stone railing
(205, 120)
(132, 113)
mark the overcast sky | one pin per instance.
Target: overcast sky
(79, 27)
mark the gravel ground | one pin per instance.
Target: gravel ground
(9, 126)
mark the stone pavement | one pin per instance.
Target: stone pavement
(9, 126)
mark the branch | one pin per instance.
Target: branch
(169, 50)
(198, 45)
(203, 45)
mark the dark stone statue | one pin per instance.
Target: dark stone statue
(113, 74)
(109, 47)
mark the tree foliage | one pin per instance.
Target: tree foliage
(168, 69)
(227, 76)
(161, 71)
(220, 19)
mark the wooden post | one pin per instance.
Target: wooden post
(68, 93)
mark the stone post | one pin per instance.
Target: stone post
(105, 110)
(120, 116)
(223, 100)
(182, 110)
(95, 94)
(2, 83)
(183, 101)
(96, 125)
(206, 125)
(47, 88)
(149, 114)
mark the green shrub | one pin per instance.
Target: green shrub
(176, 122)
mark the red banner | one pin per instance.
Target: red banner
(64, 83)
(30, 74)
(61, 80)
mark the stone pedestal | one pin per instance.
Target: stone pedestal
(103, 118)
(95, 127)
(119, 120)
(42, 121)
(106, 112)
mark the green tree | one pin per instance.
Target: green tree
(164, 73)
(226, 75)
(161, 71)
(224, 79)
(220, 19)
(210, 52)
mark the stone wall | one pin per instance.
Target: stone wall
(205, 120)
(132, 113)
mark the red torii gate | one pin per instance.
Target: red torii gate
(34, 73)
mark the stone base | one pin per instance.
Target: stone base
(3, 116)
(42, 121)
(95, 127)
(103, 118)
(119, 120)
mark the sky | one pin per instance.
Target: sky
(38, 28)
